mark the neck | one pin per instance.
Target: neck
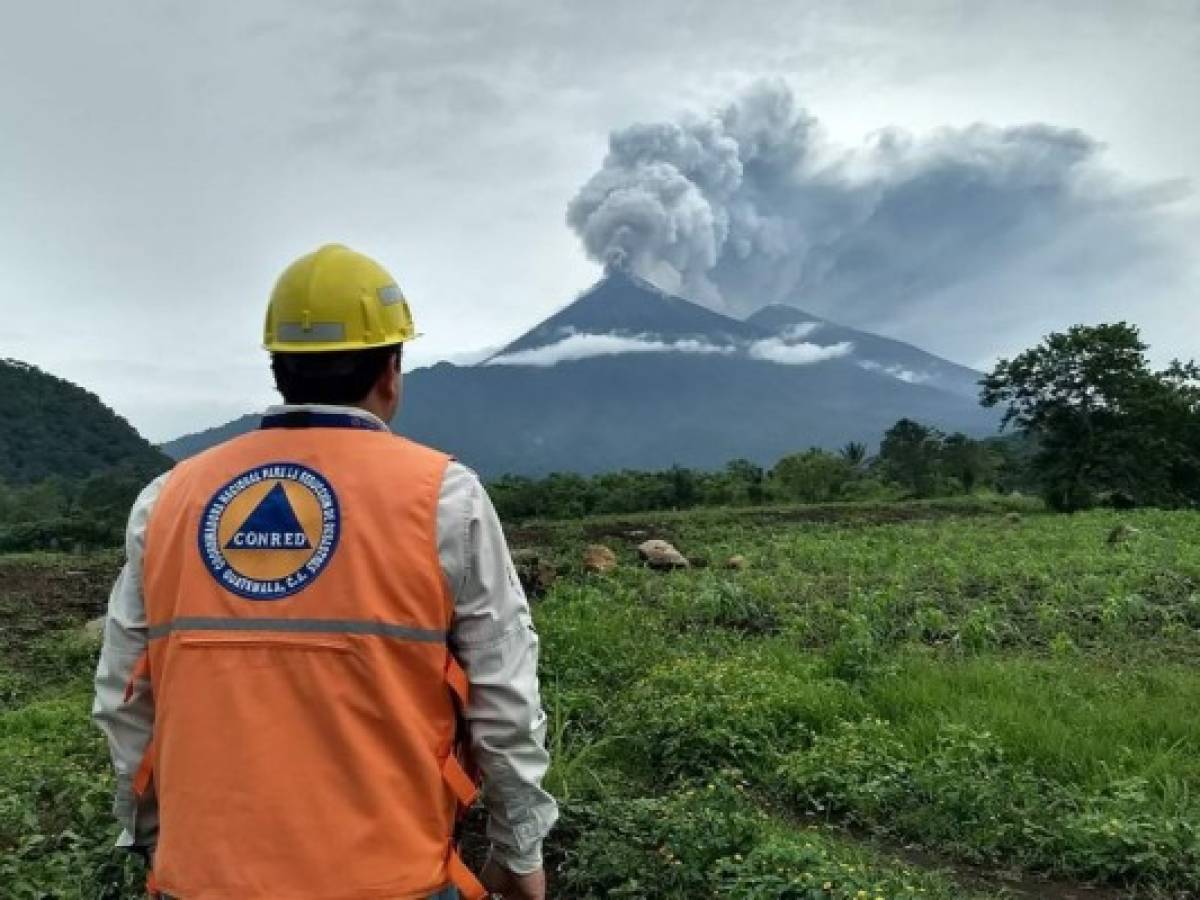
(375, 407)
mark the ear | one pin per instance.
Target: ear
(388, 384)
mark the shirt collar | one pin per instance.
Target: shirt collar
(326, 409)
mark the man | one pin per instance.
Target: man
(308, 617)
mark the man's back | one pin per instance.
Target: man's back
(302, 599)
(299, 677)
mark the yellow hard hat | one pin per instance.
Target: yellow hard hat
(336, 299)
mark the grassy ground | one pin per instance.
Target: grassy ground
(925, 700)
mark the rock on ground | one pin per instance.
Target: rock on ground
(599, 559)
(661, 555)
(535, 572)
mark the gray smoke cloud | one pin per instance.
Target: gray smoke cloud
(752, 205)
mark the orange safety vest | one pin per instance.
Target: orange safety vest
(306, 728)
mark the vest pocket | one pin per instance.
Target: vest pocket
(252, 641)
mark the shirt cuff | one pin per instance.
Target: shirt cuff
(518, 847)
(137, 816)
(519, 862)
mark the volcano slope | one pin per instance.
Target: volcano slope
(904, 701)
(627, 376)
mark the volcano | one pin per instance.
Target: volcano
(628, 376)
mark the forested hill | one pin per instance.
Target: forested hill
(55, 428)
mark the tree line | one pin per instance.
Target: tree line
(913, 461)
(59, 513)
(1088, 422)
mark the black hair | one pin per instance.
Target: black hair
(341, 378)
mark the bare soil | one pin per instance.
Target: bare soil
(637, 529)
(40, 595)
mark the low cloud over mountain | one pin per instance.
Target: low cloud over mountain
(788, 347)
(628, 376)
(575, 345)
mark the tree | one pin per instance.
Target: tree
(814, 476)
(1105, 424)
(1015, 471)
(855, 454)
(749, 477)
(910, 455)
(683, 488)
(971, 462)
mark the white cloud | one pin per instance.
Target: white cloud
(778, 350)
(897, 371)
(800, 331)
(411, 131)
(583, 346)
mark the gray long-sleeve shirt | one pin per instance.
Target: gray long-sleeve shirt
(492, 635)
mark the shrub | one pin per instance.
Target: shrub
(718, 602)
(809, 866)
(698, 715)
(56, 828)
(707, 840)
(965, 797)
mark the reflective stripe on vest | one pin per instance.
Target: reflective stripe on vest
(305, 695)
(300, 626)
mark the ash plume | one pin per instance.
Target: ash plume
(752, 205)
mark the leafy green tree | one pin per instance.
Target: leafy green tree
(814, 476)
(1105, 424)
(683, 488)
(1014, 453)
(515, 497)
(855, 454)
(749, 480)
(910, 455)
(972, 463)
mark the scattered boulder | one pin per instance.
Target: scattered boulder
(535, 572)
(736, 562)
(661, 555)
(1122, 533)
(1012, 518)
(599, 559)
(95, 627)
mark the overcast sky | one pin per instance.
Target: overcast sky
(161, 162)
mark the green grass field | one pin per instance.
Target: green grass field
(940, 700)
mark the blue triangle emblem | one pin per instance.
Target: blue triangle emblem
(272, 526)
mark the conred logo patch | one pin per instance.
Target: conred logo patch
(271, 531)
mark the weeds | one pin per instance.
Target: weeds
(1001, 692)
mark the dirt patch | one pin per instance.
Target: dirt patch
(635, 530)
(40, 595)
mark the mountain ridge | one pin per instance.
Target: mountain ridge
(55, 428)
(621, 303)
(630, 376)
